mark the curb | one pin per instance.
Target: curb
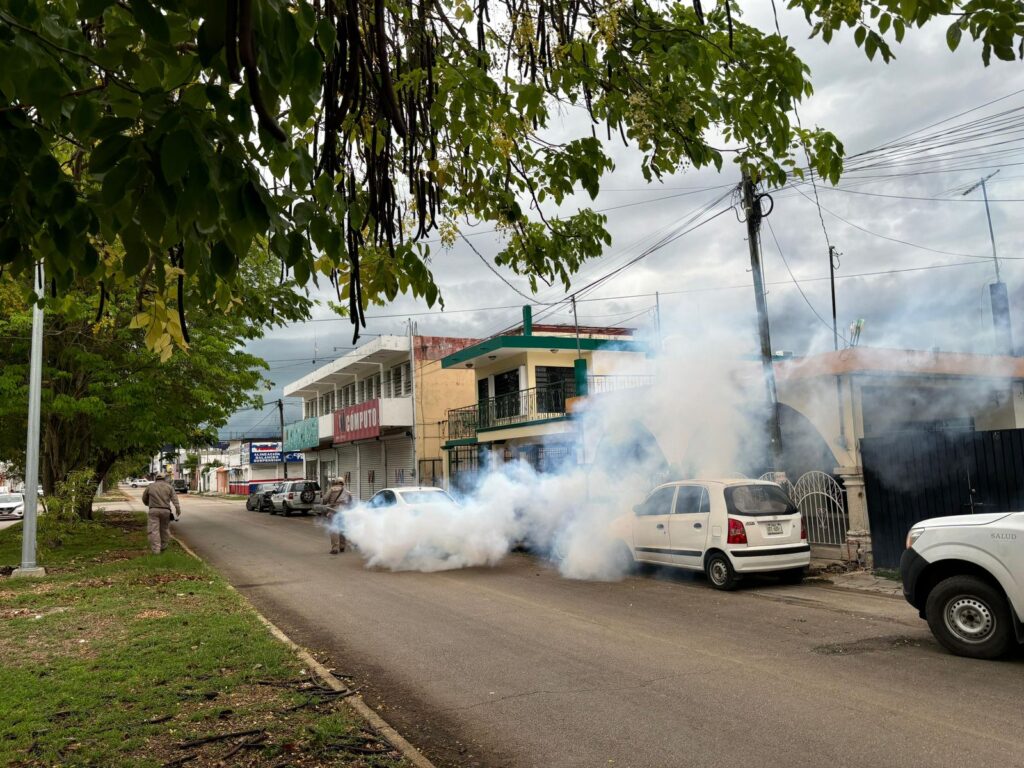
(407, 750)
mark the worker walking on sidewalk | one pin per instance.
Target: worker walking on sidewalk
(338, 499)
(159, 496)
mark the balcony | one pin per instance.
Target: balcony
(531, 405)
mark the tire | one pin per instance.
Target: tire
(793, 575)
(306, 497)
(272, 510)
(624, 560)
(970, 617)
(286, 509)
(266, 506)
(720, 573)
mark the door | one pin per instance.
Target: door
(651, 524)
(371, 469)
(398, 459)
(688, 526)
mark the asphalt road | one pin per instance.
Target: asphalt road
(515, 666)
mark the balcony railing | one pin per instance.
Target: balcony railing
(510, 410)
(600, 384)
(530, 405)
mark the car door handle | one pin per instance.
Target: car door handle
(697, 525)
(660, 526)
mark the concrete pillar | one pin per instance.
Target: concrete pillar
(858, 536)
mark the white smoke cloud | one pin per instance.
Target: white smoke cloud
(693, 421)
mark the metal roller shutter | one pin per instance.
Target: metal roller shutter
(348, 469)
(371, 469)
(328, 468)
(398, 455)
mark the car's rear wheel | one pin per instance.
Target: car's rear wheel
(721, 574)
(793, 575)
(970, 617)
(286, 509)
(624, 561)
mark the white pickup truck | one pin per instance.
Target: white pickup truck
(965, 575)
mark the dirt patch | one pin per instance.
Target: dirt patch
(868, 645)
(158, 579)
(152, 613)
(20, 613)
(118, 555)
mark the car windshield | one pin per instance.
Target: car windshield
(10, 498)
(758, 500)
(426, 497)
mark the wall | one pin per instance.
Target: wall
(437, 390)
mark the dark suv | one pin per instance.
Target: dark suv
(179, 485)
(295, 496)
(259, 497)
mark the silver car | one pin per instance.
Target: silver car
(295, 496)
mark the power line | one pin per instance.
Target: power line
(494, 269)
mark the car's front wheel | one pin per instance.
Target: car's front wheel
(721, 574)
(970, 617)
(286, 509)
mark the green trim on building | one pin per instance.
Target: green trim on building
(463, 441)
(521, 424)
(488, 346)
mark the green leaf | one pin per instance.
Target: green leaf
(859, 34)
(108, 152)
(83, 117)
(44, 175)
(115, 182)
(953, 35)
(210, 39)
(91, 9)
(176, 152)
(136, 252)
(151, 20)
(222, 259)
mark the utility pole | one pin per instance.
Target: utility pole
(284, 456)
(752, 209)
(657, 317)
(833, 256)
(576, 322)
(35, 387)
(998, 296)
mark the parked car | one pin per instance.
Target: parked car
(726, 528)
(965, 576)
(407, 497)
(295, 496)
(259, 497)
(180, 485)
(12, 505)
(140, 482)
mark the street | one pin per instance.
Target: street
(515, 666)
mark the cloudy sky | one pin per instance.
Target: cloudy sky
(928, 291)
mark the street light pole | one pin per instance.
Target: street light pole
(998, 296)
(35, 386)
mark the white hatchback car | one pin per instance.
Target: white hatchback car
(725, 528)
(409, 497)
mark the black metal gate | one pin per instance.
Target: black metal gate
(912, 476)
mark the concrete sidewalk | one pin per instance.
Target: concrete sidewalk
(863, 581)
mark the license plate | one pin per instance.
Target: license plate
(774, 529)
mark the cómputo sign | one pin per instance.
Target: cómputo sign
(357, 422)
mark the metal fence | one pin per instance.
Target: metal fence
(822, 503)
(599, 384)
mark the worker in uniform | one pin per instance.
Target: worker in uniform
(159, 496)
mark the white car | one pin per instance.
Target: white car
(965, 576)
(726, 528)
(412, 496)
(140, 482)
(12, 505)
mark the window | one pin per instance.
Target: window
(658, 503)
(426, 497)
(691, 500)
(395, 375)
(482, 390)
(406, 379)
(758, 500)
(382, 499)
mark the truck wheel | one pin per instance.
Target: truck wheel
(970, 617)
(720, 572)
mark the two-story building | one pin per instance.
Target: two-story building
(522, 381)
(373, 416)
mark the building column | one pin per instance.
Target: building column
(858, 537)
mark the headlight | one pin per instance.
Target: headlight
(913, 535)
(19, 511)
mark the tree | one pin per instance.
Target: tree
(141, 136)
(107, 397)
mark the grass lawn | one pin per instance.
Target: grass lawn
(118, 658)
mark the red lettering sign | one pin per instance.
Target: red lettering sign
(357, 422)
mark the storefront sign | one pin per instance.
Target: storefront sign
(270, 453)
(302, 434)
(357, 422)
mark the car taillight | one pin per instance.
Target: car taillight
(737, 533)
(291, 495)
(803, 528)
